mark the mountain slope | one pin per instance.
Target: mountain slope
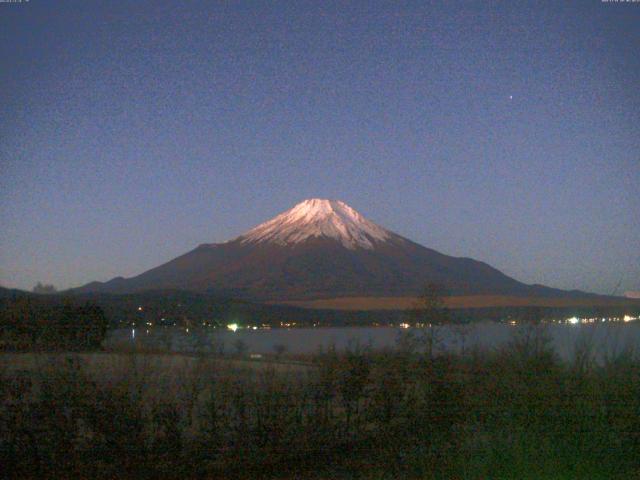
(320, 249)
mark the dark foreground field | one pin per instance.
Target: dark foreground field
(516, 413)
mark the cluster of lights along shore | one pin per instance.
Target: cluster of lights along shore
(235, 326)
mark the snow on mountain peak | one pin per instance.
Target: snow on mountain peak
(318, 218)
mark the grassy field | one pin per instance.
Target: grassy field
(173, 364)
(471, 301)
(514, 413)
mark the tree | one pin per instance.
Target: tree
(354, 374)
(462, 329)
(431, 313)
(93, 326)
(35, 322)
(241, 347)
(44, 289)
(201, 340)
(18, 319)
(279, 349)
(75, 327)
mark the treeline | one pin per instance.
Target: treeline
(47, 323)
(191, 309)
(533, 314)
(516, 413)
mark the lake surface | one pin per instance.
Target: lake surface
(606, 338)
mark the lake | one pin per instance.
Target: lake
(607, 338)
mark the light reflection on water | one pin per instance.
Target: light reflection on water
(607, 339)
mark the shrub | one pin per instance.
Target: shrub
(514, 413)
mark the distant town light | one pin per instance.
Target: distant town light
(139, 309)
(573, 320)
(628, 318)
(404, 325)
(233, 327)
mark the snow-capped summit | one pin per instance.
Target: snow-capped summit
(320, 249)
(319, 218)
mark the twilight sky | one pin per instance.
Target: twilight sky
(504, 131)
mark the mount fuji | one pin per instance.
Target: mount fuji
(321, 249)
